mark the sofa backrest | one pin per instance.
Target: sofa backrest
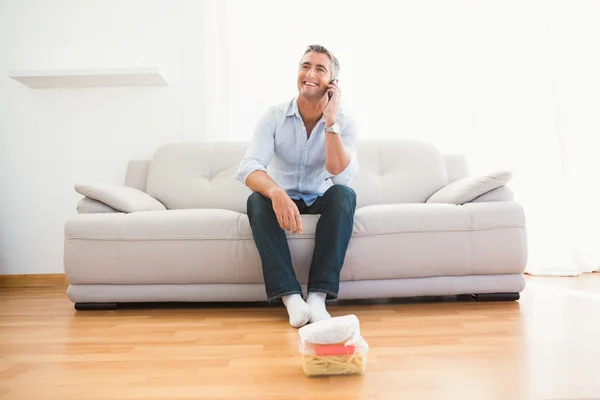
(397, 171)
(137, 174)
(200, 175)
(456, 166)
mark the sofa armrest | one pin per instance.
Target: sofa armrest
(120, 197)
(469, 188)
(91, 206)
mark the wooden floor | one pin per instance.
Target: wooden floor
(546, 346)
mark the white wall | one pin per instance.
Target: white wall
(53, 138)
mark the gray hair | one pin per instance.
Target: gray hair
(335, 64)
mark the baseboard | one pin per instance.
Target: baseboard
(33, 280)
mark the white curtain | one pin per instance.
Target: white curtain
(512, 84)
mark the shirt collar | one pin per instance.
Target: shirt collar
(293, 108)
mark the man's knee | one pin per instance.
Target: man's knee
(343, 195)
(256, 203)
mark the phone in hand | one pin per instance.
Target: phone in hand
(329, 93)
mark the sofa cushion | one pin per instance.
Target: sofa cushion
(88, 206)
(175, 246)
(201, 175)
(457, 166)
(157, 225)
(502, 193)
(216, 246)
(397, 171)
(119, 197)
(422, 240)
(467, 189)
(397, 218)
(198, 175)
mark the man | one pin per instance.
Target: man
(310, 149)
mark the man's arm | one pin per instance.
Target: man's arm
(340, 153)
(253, 173)
(340, 148)
(253, 168)
(259, 153)
(336, 157)
(261, 182)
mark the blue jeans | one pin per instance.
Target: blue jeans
(336, 206)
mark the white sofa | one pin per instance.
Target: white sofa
(177, 231)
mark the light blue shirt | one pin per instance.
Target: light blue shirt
(280, 147)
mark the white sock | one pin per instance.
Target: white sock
(297, 309)
(316, 301)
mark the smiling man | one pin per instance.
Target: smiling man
(301, 160)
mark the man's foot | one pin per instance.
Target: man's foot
(297, 309)
(316, 301)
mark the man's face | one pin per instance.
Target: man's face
(314, 75)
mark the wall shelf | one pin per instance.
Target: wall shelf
(45, 79)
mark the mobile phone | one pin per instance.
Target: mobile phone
(330, 94)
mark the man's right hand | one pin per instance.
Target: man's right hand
(286, 211)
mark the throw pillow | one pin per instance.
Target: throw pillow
(466, 189)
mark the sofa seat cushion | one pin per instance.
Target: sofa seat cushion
(173, 246)
(215, 246)
(404, 218)
(157, 225)
(422, 240)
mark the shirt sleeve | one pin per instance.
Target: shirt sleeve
(259, 153)
(349, 138)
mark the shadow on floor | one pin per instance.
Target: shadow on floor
(265, 304)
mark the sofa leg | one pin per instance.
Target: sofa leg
(496, 296)
(95, 306)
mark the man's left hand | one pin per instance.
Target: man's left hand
(333, 104)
